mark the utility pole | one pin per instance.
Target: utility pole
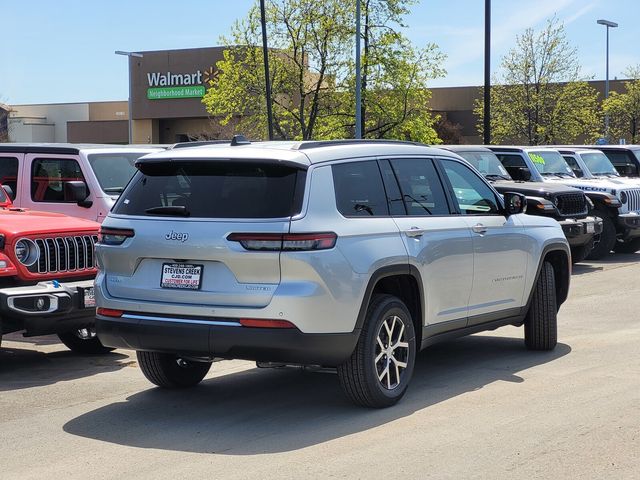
(267, 79)
(487, 72)
(358, 133)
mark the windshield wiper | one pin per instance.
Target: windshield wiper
(177, 210)
(495, 176)
(113, 189)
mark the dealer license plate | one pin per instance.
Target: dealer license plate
(181, 275)
(89, 297)
(591, 228)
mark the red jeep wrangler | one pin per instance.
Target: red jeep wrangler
(47, 266)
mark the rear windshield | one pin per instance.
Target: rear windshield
(214, 189)
(114, 170)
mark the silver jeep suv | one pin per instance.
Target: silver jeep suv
(347, 254)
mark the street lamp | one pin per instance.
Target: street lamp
(136, 55)
(608, 24)
(358, 132)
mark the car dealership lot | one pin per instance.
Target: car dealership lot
(478, 407)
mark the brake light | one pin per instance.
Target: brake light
(114, 236)
(265, 323)
(285, 242)
(109, 312)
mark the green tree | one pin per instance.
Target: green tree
(395, 74)
(540, 97)
(308, 43)
(312, 74)
(624, 109)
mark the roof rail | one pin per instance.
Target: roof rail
(198, 143)
(352, 141)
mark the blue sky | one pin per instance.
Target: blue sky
(62, 51)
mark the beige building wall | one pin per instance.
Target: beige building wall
(102, 111)
(146, 131)
(56, 114)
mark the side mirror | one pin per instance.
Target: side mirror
(578, 173)
(76, 191)
(514, 203)
(525, 174)
(9, 191)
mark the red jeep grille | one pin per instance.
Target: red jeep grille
(65, 254)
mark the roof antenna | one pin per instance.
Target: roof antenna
(239, 140)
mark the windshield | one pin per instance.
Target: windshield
(598, 163)
(114, 170)
(551, 163)
(486, 163)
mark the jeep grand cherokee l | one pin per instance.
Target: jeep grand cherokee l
(346, 254)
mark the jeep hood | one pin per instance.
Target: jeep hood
(606, 185)
(532, 189)
(28, 222)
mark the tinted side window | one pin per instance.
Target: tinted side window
(573, 163)
(514, 164)
(359, 189)
(421, 189)
(9, 173)
(622, 161)
(48, 176)
(474, 196)
(394, 197)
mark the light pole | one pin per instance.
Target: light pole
(267, 78)
(608, 24)
(487, 72)
(129, 55)
(358, 132)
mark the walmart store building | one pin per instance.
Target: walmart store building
(167, 89)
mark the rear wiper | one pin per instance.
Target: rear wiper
(177, 210)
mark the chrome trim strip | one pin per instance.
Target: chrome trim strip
(181, 320)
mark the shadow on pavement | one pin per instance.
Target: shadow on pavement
(581, 268)
(266, 411)
(26, 367)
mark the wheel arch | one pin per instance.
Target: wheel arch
(559, 255)
(402, 281)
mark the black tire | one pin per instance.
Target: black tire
(630, 246)
(578, 254)
(607, 237)
(171, 371)
(83, 340)
(541, 322)
(359, 376)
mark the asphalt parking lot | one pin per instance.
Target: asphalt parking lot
(478, 407)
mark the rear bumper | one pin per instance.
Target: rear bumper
(629, 225)
(580, 231)
(48, 307)
(224, 338)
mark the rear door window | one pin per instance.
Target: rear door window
(48, 176)
(420, 185)
(359, 189)
(214, 189)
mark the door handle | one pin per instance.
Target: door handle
(479, 228)
(414, 232)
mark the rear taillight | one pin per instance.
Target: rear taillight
(109, 312)
(114, 236)
(285, 242)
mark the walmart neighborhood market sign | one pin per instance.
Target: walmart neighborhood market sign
(165, 85)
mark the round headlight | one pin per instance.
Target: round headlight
(623, 197)
(27, 252)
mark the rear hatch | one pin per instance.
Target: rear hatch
(177, 217)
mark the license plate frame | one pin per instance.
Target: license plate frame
(174, 284)
(88, 297)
